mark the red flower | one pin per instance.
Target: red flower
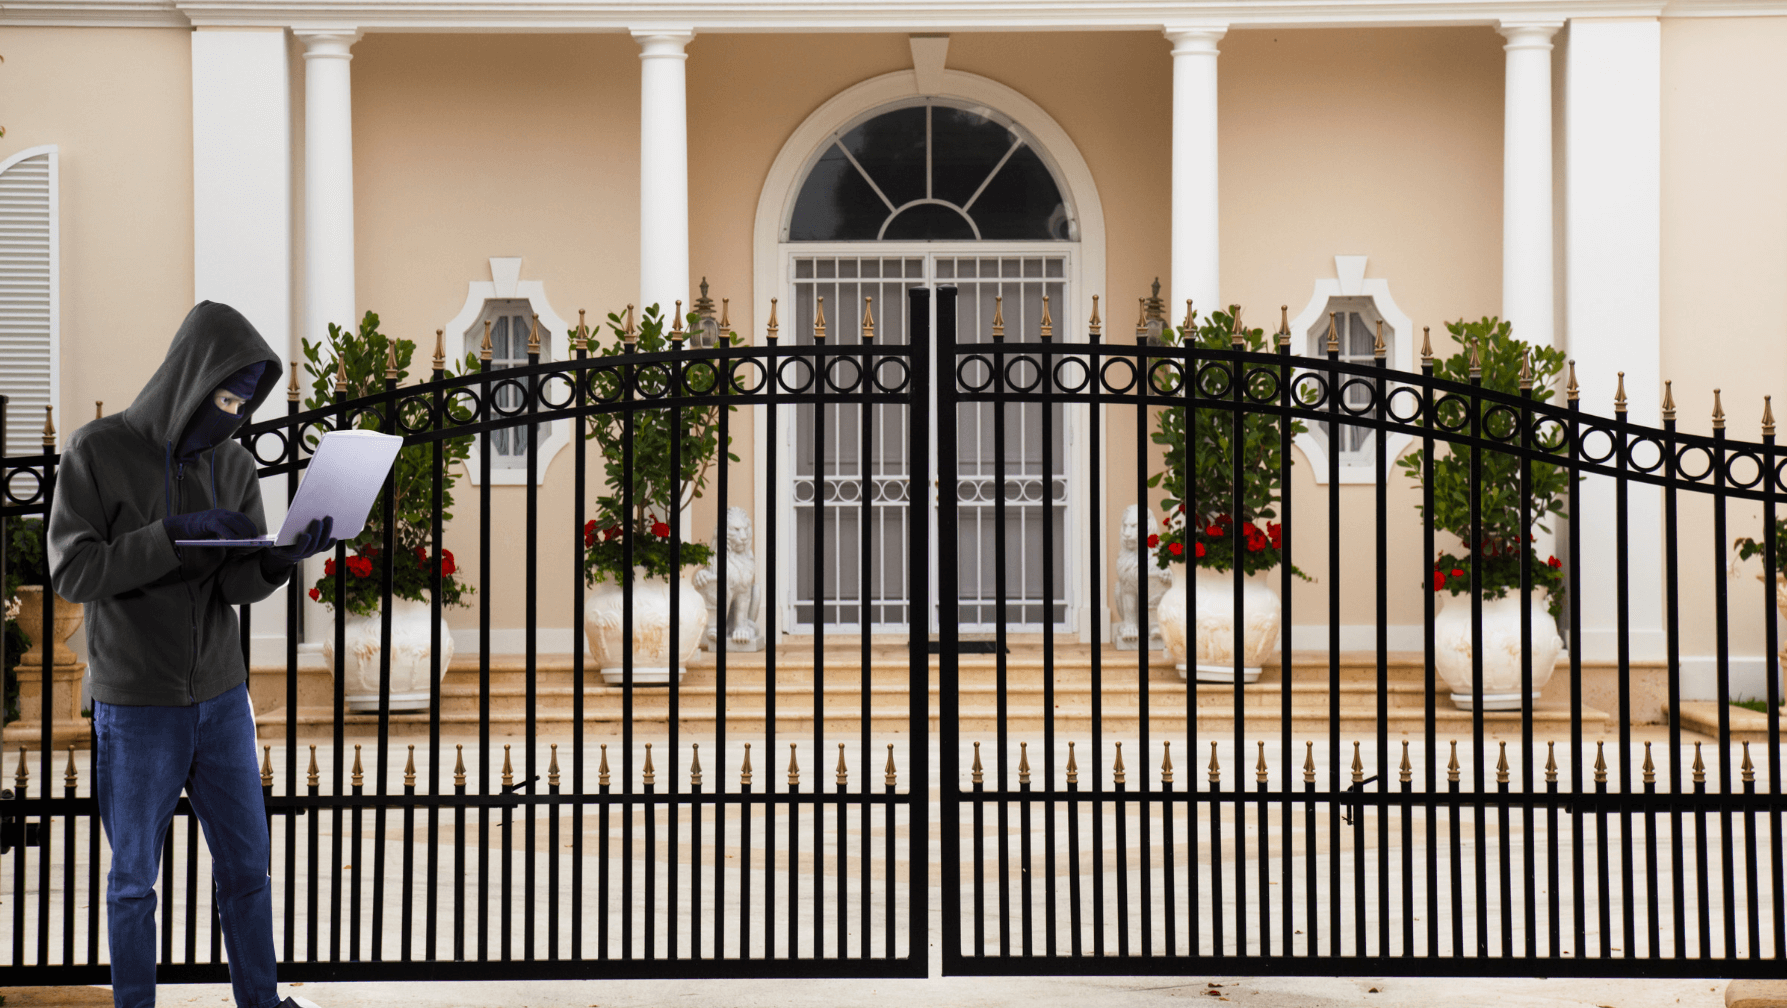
(315, 596)
(329, 567)
(1554, 563)
(1200, 547)
(369, 550)
(661, 530)
(1213, 531)
(1176, 549)
(1457, 573)
(589, 532)
(421, 555)
(359, 566)
(447, 564)
(611, 533)
(1439, 580)
(1275, 532)
(1153, 541)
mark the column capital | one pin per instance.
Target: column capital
(1528, 34)
(327, 41)
(662, 43)
(1195, 38)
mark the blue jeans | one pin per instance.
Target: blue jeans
(146, 755)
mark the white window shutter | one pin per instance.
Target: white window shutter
(28, 310)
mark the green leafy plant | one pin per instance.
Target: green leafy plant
(654, 482)
(1497, 553)
(1200, 493)
(362, 356)
(1748, 547)
(26, 563)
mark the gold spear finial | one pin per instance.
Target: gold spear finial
(1259, 766)
(1023, 762)
(291, 389)
(888, 772)
(771, 330)
(458, 765)
(1141, 319)
(508, 769)
(998, 317)
(1237, 333)
(1748, 768)
(1166, 763)
(440, 349)
(70, 778)
(1380, 348)
(1095, 326)
(49, 428)
(359, 776)
(1668, 401)
(390, 360)
(695, 764)
(1358, 766)
(1551, 762)
(974, 772)
(629, 333)
(1600, 761)
(266, 765)
(1476, 362)
(1650, 768)
(99, 409)
(677, 333)
(602, 770)
(793, 767)
(551, 766)
(1284, 325)
(1573, 391)
(533, 335)
(579, 341)
(744, 769)
(819, 322)
(1768, 416)
(1718, 412)
(843, 774)
(1501, 766)
(726, 315)
(1452, 767)
(1699, 766)
(1046, 328)
(1619, 395)
(1333, 334)
(1426, 346)
(341, 370)
(650, 774)
(868, 320)
(409, 769)
(1118, 773)
(1073, 766)
(1406, 772)
(1190, 322)
(312, 772)
(484, 348)
(1309, 762)
(1214, 771)
(22, 776)
(1526, 370)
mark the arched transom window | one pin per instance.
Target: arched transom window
(931, 172)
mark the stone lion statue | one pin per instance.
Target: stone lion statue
(740, 611)
(1134, 560)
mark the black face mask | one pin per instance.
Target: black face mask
(210, 426)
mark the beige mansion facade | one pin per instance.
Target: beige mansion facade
(1611, 175)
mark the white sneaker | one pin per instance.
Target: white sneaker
(294, 1001)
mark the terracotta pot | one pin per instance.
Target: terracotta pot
(1215, 625)
(602, 626)
(68, 619)
(1501, 649)
(409, 657)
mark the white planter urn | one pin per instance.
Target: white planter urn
(651, 629)
(1214, 638)
(409, 657)
(1501, 649)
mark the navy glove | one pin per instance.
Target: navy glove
(278, 561)
(217, 523)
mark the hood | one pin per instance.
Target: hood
(214, 342)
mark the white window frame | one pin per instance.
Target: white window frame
(22, 428)
(465, 334)
(1350, 281)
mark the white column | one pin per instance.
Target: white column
(663, 167)
(1612, 192)
(1527, 286)
(328, 180)
(1196, 241)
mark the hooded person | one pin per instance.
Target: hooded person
(167, 675)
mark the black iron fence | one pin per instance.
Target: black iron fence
(1098, 813)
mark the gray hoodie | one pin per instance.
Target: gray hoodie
(160, 627)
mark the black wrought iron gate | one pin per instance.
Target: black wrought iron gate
(770, 815)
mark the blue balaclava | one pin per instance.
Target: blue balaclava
(210, 426)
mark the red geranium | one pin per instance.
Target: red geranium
(315, 596)
(1213, 531)
(1200, 547)
(1457, 573)
(661, 530)
(1554, 563)
(1439, 580)
(359, 566)
(611, 533)
(329, 567)
(1177, 548)
(1153, 541)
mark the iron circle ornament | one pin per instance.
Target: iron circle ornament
(561, 380)
(1601, 452)
(1016, 385)
(1755, 468)
(1262, 384)
(1709, 460)
(902, 370)
(758, 373)
(1309, 389)
(495, 403)
(1104, 375)
(655, 379)
(36, 486)
(605, 384)
(418, 406)
(1652, 459)
(807, 378)
(281, 436)
(1452, 413)
(972, 360)
(1501, 423)
(833, 385)
(1175, 375)
(1394, 398)
(1061, 385)
(1364, 409)
(461, 406)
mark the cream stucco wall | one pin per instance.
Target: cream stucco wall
(118, 104)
